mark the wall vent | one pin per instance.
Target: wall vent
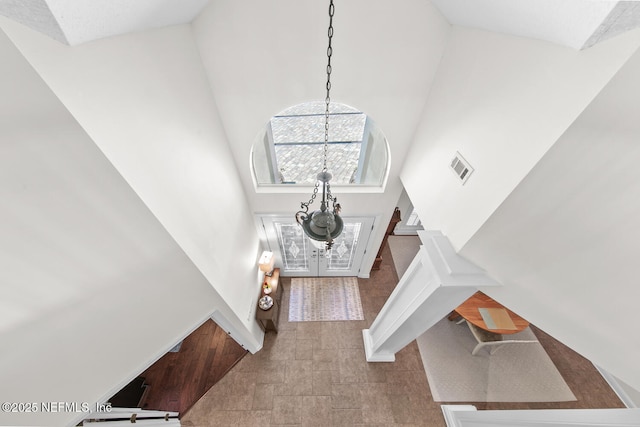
(461, 168)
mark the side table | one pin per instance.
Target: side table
(268, 319)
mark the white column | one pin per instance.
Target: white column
(436, 282)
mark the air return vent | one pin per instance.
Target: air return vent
(461, 168)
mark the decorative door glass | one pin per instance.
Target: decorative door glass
(342, 255)
(296, 255)
(294, 246)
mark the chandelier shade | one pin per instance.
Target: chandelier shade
(322, 225)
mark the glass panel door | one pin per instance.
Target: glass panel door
(345, 257)
(297, 255)
(294, 252)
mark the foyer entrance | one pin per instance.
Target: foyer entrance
(297, 256)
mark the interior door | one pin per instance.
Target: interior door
(296, 255)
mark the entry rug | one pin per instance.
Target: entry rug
(521, 372)
(324, 299)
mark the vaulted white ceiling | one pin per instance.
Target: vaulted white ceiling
(573, 23)
(76, 22)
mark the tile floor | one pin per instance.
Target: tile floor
(315, 374)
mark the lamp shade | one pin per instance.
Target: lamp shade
(267, 261)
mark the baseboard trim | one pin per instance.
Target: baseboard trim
(617, 388)
(448, 410)
(368, 349)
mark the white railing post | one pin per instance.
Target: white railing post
(436, 282)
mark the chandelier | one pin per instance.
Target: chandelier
(325, 224)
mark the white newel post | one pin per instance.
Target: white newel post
(436, 282)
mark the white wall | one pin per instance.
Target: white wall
(502, 102)
(565, 243)
(144, 99)
(406, 208)
(93, 287)
(262, 57)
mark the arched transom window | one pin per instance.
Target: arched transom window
(290, 152)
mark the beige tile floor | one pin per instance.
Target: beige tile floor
(315, 374)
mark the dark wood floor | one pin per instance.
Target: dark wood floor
(178, 380)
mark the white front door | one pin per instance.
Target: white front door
(297, 256)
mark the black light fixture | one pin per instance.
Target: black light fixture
(325, 224)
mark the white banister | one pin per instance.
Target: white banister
(543, 418)
(116, 417)
(173, 422)
(436, 282)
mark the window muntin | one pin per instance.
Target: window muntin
(291, 149)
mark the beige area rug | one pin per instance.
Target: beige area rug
(514, 373)
(324, 299)
(403, 251)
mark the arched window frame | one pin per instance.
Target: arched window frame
(369, 176)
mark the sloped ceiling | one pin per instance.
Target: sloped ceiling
(76, 22)
(572, 23)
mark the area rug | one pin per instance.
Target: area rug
(324, 299)
(514, 373)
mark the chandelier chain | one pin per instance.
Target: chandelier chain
(313, 196)
(325, 223)
(327, 99)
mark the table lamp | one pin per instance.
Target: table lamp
(266, 263)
